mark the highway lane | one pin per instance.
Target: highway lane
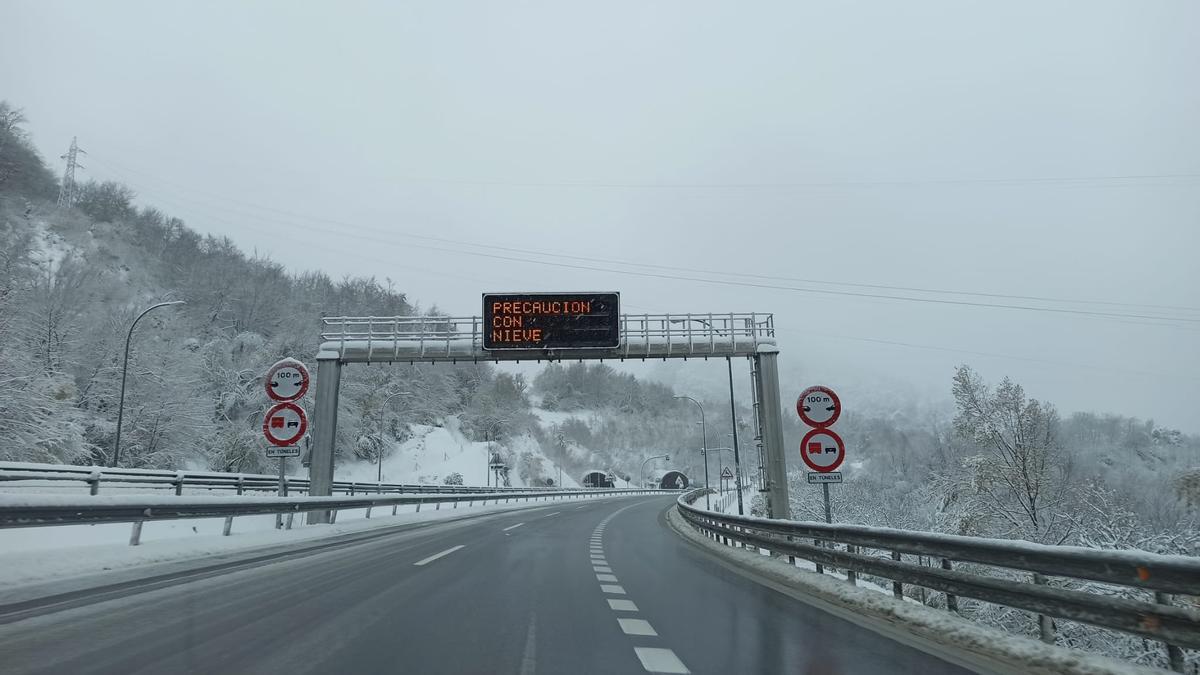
(601, 587)
(719, 621)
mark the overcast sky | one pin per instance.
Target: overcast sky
(1047, 149)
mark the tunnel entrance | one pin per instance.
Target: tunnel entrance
(674, 480)
(598, 479)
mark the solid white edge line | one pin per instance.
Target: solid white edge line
(513, 527)
(435, 556)
(658, 660)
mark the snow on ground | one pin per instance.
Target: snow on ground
(36, 554)
(436, 452)
(50, 249)
(547, 417)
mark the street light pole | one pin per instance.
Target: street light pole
(124, 373)
(383, 409)
(642, 470)
(704, 450)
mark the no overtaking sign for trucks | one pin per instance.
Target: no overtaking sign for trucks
(284, 424)
(822, 450)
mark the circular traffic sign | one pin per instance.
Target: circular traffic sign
(287, 380)
(818, 407)
(822, 450)
(284, 424)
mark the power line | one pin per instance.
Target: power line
(1045, 180)
(779, 330)
(746, 275)
(727, 282)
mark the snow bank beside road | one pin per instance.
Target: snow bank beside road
(40, 554)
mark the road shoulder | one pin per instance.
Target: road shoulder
(940, 634)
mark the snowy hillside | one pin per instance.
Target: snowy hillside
(434, 453)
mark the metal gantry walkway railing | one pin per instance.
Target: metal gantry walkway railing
(880, 552)
(418, 339)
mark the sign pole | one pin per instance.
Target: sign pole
(828, 517)
(282, 493)
(737, 459)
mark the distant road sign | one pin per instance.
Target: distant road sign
(289, 451)
(822, 450)
(818, 407)
(287, 380)
(726, 473)
(831, 477)
(284, 424)
(551, 320)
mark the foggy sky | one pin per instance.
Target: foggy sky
(1045, 149)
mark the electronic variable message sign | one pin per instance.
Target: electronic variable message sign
(551, 320)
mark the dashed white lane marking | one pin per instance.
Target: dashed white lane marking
(529, 658)
(435, 556)
(552, 514)
(513, 527)
(657, 660)
(654, 659)
(581, 507)
(637, 627)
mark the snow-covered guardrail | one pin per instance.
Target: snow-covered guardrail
(23, 474)
(850, 547)
(51, 510)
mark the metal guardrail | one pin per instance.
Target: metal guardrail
(19, 474)
(56, 510)
(1157, 575)
(448, 338)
